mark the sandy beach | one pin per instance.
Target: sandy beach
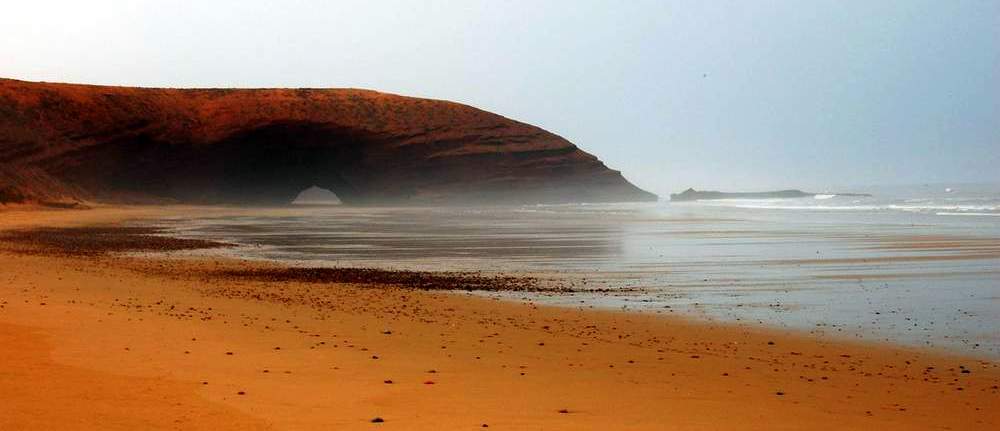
(114, 341)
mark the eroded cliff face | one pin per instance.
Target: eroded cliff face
(264, 146)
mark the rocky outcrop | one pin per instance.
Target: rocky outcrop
(264, 146)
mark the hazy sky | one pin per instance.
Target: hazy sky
(726, 95)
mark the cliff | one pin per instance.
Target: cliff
(264, 146)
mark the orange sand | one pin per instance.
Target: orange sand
(131, 343)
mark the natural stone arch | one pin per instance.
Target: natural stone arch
(264, 146)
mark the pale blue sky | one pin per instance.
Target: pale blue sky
(725, 95)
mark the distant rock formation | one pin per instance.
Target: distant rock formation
(264, 146)
(317, 196)
(695, 195)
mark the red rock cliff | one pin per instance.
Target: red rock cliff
(263, 146)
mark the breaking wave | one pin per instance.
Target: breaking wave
(942, 206)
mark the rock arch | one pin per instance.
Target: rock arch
(264, 146)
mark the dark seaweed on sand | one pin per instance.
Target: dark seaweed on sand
(409, 279)
(93, 241)
(85, 241)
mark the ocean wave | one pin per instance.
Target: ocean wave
(997, 214)
(926, 207)
(945, 207)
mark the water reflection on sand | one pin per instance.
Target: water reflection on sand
(913, 278)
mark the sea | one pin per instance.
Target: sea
(913, 265)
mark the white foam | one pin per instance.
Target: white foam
(854, 205)
(967, 214)
(956, 208)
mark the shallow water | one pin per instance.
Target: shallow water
(873, 268)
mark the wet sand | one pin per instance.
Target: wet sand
(106, 341)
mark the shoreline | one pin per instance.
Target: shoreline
(504, 364)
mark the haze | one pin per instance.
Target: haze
(727, 95)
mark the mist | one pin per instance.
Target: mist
(730, 96)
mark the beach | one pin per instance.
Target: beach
(866, 270)
(125, 341)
